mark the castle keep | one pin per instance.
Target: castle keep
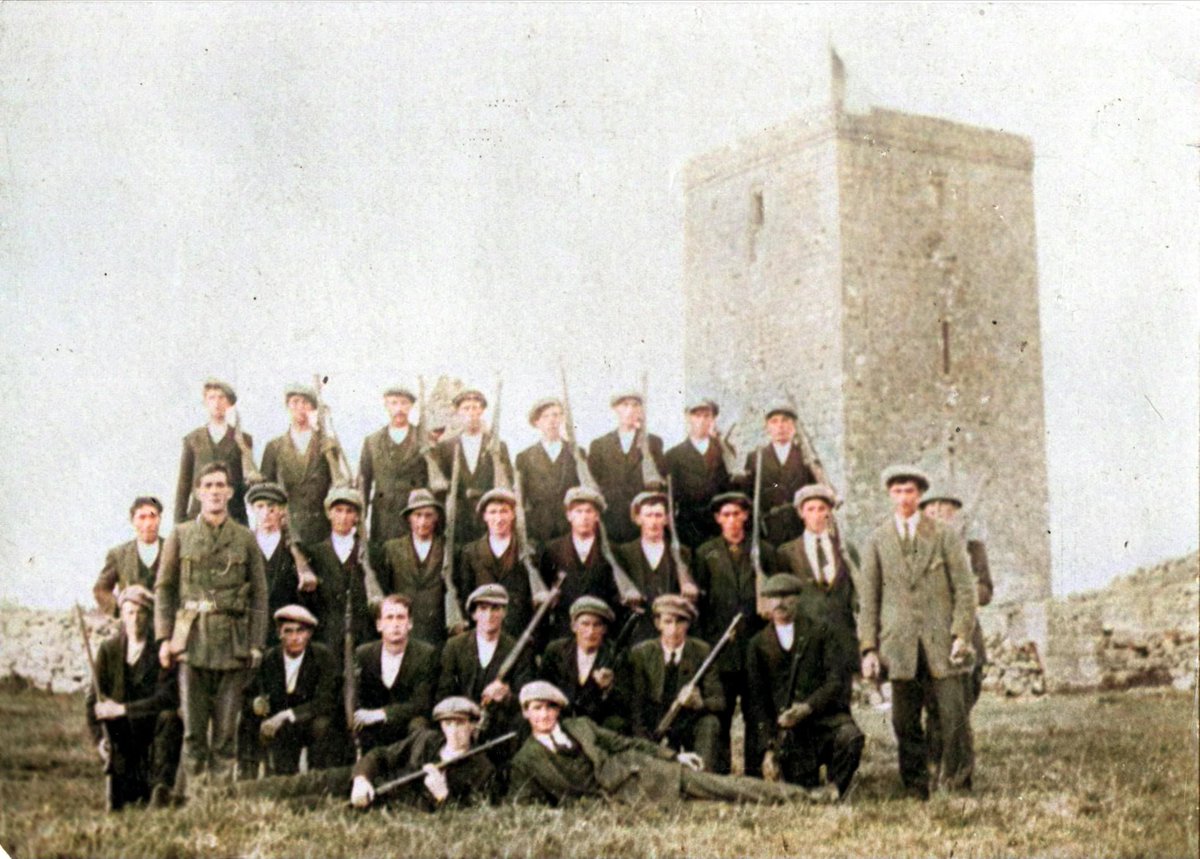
(880, 270)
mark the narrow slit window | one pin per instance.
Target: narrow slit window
(756, 208)
(945, 346)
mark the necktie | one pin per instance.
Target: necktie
(906, 540)
(822, 562)
(671, 679)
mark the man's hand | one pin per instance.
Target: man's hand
(633, 600)
(794, 715)
(308, 580)
(497, 691)
(870, 666)
(689, 698)
(770, 767)
(363, 718)
(691, 760)
(362, 793)
(540, 597)
(435, 782)
(165, 656)
(255, 658)
(107, 709)
(271, 726)
(329, 444)
(962, 653)
(689, 592)
(603, 677)
(261, 706)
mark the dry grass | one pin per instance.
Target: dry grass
(1103, 774)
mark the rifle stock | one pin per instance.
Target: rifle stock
(537, 587)
(436, 478)
(87, 647)
(453, 608)
(339, 466)
(668, 719)
(501, 478)
(250, 472)
(408, 778)
(686, 580)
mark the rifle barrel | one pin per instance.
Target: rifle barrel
(664, 724)
(389, 786)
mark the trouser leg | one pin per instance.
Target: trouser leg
(197, 690)
(227, 706)
(734, 788)
(333, 782)
(249, 746)
(168, 743)
(957, 754)
(322, 743)
(843, 752)
(907, 699)
(285, 749)
(933, 727)
(707, 739)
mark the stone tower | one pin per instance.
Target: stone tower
(880, 270)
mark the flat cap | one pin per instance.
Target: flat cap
(469, 394)
(296, 614)
(456, 707)
(145, 501)
(592, 605)
(343, 495)
(400, 391)
(740, 498)
(781, 408)
(138, 595)
(781, 585)
(541, 405)
(895, 473)
(645, 498)
(940, 493)
(419, 499)
(702, 403)
(500, 494)
(621, 396)
(272, 492)
(815, 490)
(298, 390)
(676, 605)
(223, 387)
(542, 690)
(492, 594)
(583, 495)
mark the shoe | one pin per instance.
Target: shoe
(915, 791)
(160, 796)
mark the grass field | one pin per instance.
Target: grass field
(1111, 774)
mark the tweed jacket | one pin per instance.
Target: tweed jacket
(619, 475)
(401, 571)
(199, 451)
(306, 478)
(835, 604)
(123, 567)
(409, 701)
(389, 473)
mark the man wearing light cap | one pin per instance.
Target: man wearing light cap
(916, 616)
(297, 461)
(391, 466)
(136, 561)
(577, 759)
(476, 470)
(292, 701)
(337, 563)
(784, 473)
(582, 666)
(615, 460)
(698, 474)
(268, 504)
(215, 441)
(495, 558)
(412, 565)
(648, 560)
(141, 735)
(547, 470)
(799, 695)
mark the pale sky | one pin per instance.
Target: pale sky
(261, 192)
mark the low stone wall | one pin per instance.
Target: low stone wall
(45, 648)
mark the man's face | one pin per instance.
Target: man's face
(146, 520)
(589, 630)
(700, 423)
(394, 624)
(135, 620)
(732, 519)
(458, 733)
(499, 518)
(488, 617)
(214, 493)
(470, 415)
(652, 519)
(815, 513)
(629, 414)
(783, 609)
(583, 518)
(300, 410)
(542, 716)
(398, 408)
(294, 637)
(781, 428)
(944, 511)
(268, 516)
(216, 404)
(343, 517)
(672, 629)
(906, 496)
(422, 522)
(549, 423)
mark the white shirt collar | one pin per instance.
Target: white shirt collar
(268, 541)
(584, 663)
(810, 550)
(909, 524)
(668, 651)
(300, 438)
(782, 451)
(499, 545)
(786, 633)
(133, 650)
(486, 649)
(422, 547)
(148, 552)
(583, 547)
(552, 448)
(557, 735)
(343, 546)
(389, 666)
(291, 670)
(471, 446)
(654, 552)
(398, 435)
(626, 437)
(701, 444)
(217, 432)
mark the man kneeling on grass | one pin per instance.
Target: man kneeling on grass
(577, 758)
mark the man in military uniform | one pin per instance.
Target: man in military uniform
(698, 474)
(391, 466)
(298, 461)
(477, 472)
(292, 701)
(582, 666)
(495, 558)
(799, 692)
(337, 562)
(412, 565)
(615, 460)
(818, 562)
(547, 470)
(211, 617)
(135, 723)
(136, 561)
(215, 442)
(725, 575)
(268, 503)
(396, 678)
(648, 560)
(662, 670)
(578, 759)
(784, 473)
(916, 617)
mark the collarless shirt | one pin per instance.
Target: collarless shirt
(217, 432)
(583, 548)
(499, 545)
(133, 651)
(389, 666)
(268, 541)
(148, 552)
(552, 448)
(626, 438)
(810, 550)
(786, 633)
(343, 545)
(291, 670)
(471, 446)
(654, 553)
(422, 548)
(486, 649)
(701, 444)
(398, 435)
(782, 451)
(300, 438)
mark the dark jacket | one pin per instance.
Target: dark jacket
(389, 472)
(471, 485)
(470, 781)
(727, 587)
(780, 482)
(401, 571)
(619, 475)
(409, 701)
(306, 478)
(461, 673)
(696, 480)
(560, 666)
(543, 486)
(199, 451)
(478, 566)
(645, 675)
(591, 576)
(651, 582)
(317, 684)
(334, 577)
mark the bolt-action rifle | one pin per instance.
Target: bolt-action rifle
(100, 696)
(668, 719)
(537, 587)
(760, 603)
(436, 477)
(809, 453)
(416, 775)
(339, 465)
(250, 472)
(687, 583)
(455, 622)
(501, 479)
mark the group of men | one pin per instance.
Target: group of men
(640, 595)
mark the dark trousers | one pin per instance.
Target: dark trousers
(283, 750)
(736, 788)
(145, 753)
(333, 782)
(908, 700)
(834, 741)
(972, 687)
(699, 733)
(735, 686)
(210, 695)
